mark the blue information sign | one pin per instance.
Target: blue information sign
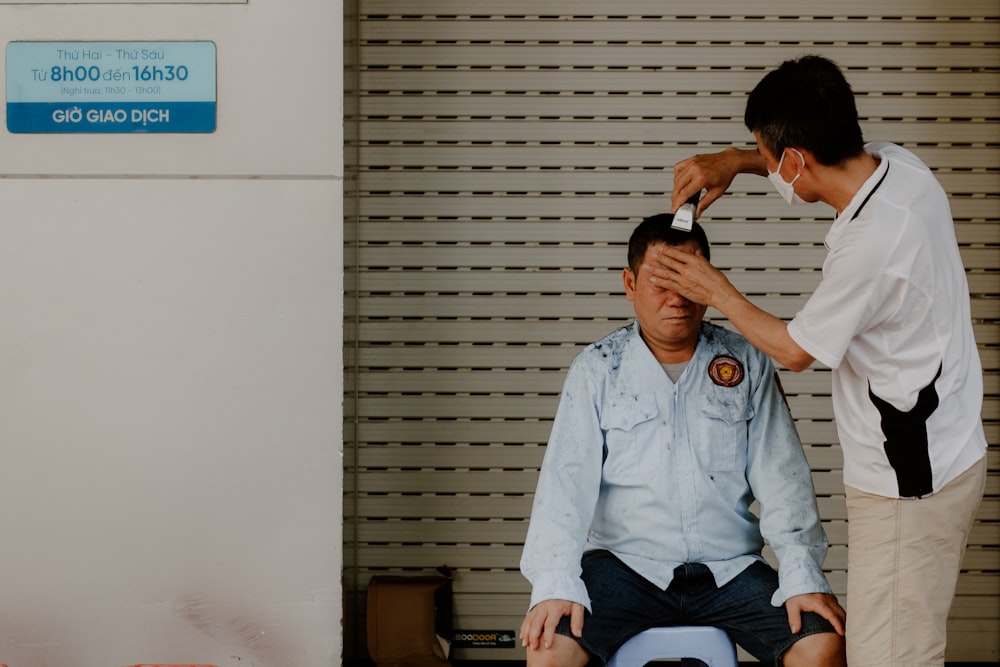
(111, 87)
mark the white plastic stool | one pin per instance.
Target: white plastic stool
(712, 646)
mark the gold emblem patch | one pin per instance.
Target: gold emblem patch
(725, 371)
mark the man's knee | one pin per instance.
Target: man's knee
(825, 649)
(564, 652)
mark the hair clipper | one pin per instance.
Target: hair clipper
(684, 217)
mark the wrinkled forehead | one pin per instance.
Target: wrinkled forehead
(689, 246)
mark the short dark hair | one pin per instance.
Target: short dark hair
(806, 103)
(657, 229)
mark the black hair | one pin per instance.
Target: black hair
(806, 103)
(657, 229)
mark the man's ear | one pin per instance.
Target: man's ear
(628, 279)
(808, 158)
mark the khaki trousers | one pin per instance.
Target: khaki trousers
(903, 562)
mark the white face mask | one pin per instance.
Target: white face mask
(784, 188)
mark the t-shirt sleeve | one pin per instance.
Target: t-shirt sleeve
(842, 304)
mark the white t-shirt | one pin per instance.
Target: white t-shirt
(891, 317)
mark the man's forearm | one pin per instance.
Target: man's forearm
(748, 161)
(764, 331)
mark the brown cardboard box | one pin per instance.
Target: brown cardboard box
(409, 621)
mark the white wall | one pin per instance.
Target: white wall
(170, 358)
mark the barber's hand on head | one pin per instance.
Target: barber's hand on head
(824, 604)
(688, 274)
(713, 172)
(539, 626)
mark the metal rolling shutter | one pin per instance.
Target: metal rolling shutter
(499, 154)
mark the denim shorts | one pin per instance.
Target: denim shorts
(624, 604)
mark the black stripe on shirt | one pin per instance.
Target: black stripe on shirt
(870, 193)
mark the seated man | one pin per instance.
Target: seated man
(666, 432)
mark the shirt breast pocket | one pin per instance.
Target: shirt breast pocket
(632, 444)
(721, 440)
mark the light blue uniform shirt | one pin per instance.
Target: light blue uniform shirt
(662, 474)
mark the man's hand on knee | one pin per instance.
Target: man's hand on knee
(824, 604)
(539, 626)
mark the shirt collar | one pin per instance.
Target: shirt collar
(860, 200)
(637, 349)
(866, 191)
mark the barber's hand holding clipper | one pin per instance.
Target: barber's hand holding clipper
(692, 275)
(714, 173)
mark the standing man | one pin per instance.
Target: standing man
(891, 317)
(666, 432)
